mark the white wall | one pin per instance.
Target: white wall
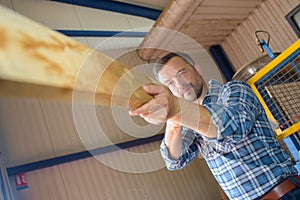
(91, 180)
(71, 17)
(35, 129)
(241, 45)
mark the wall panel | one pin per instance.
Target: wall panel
(62, 131)
(33, 130)
(90, 179)
(6, 3)
(242, 48)
(46, 184)
(69, 17)
(52, 14)
(24, 136)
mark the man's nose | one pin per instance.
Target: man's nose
(179, 82)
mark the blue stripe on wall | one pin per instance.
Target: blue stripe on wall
(11, 171)
(91, 33)
(115, 6)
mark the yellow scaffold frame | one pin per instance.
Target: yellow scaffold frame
(292, 129)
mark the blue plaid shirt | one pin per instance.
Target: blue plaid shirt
(245, 158)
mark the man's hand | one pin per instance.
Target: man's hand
(163, 106)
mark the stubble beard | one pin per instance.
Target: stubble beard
(197, 91)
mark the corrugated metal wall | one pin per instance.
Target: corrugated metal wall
(89, 179)
(241, 45)
(33, 130)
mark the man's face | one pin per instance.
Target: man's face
(182, 79)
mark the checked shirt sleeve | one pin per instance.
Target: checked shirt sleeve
(234, 113)
(189, 150)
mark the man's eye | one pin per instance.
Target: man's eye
(181, 72)
(170, 83)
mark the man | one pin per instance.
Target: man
(225, 123)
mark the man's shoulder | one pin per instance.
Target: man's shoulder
(236, 85)
(228, 85)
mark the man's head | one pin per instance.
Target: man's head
(177, 71)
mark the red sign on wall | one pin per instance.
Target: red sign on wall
(20, 181)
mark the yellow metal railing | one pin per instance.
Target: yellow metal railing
(280, 133)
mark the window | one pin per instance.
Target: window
(293, 17)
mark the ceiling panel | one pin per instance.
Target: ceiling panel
(209, 23)
(214, 20)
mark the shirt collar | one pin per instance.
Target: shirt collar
(213, 92)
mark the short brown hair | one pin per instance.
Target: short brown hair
(163, 60)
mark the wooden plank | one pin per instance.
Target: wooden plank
(250, 40)
(32, 53)
(223, 10)
(239, 45)
(209, 39)
(243, 41)
(207, 44)
(217, 16)
(231, 55)
(212, 27)
(235, 48)
(232, 3)
(208, 32)
(195, 21)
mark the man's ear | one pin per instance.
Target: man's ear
(198, 69)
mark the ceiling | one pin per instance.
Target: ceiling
(208, 22)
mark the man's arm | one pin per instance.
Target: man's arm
(195, 117)
(166, 106)
(179, 146)
(173, 139)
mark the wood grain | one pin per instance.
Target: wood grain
(34, 54)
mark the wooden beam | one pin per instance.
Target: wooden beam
(34, 54)
(173, 17)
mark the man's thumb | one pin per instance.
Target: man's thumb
(151, 88)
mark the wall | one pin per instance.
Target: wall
(241, 45)
(90, 179)
(35, 129)
(32, 130)
(61, 16)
